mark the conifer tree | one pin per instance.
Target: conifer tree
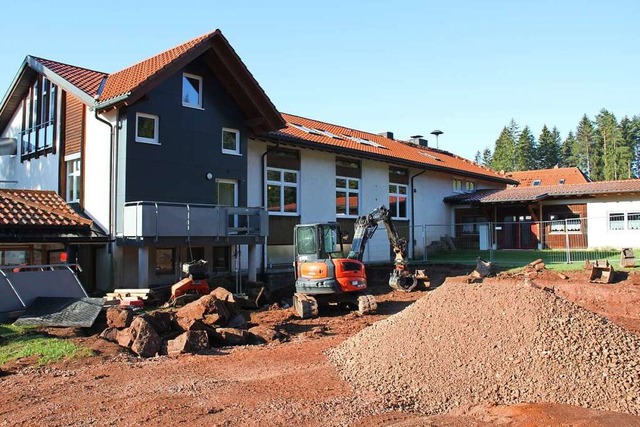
(628, 153)
(609, 140)
(585, 147)
(504, 152)
(487, 157)
(478, 158)
(548, 149)
(569, 152)
(525, 150)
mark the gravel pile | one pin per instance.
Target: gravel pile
(467, 344)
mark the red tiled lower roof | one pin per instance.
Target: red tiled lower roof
(380, 146)
(549, 176)
(37, 208)
(526, 194)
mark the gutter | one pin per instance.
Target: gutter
(412, 229)
(111, 174)
(111, 102)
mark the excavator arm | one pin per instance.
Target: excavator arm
(365, 227)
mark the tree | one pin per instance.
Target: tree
(548, 148)
(525, 150)
(630, 133)
(609, 140)
(585, 147)
(478, 158)
(487, 157)
(504, 152)
(568, 152)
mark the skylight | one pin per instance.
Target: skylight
(424, 153)
(364, 141)
(536, 182)
(314, 131)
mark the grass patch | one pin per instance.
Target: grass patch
(17, 342)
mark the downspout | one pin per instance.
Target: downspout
(411, 229)
(111, 194)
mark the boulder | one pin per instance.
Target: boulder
(208, 305)
(263, 335)
(227, 297)
(118, 317)
(237, 321)
(188, 342)
(146, 342)
(231, 336)
(124, 338)
(162, 321)
(110, 334)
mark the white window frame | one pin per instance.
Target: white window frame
(235, 152)
(617, 214)
(73, 178)
(348, 191)
(192, 105)
(144, 140)
(469, 187)
(457, 185)
(282, 184)
(397, 195)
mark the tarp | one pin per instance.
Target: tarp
(63, 312)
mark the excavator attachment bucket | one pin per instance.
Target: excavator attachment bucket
(402, 280)
(601, 273)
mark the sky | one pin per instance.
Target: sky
(410, 67)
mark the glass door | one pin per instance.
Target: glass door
(228, 196)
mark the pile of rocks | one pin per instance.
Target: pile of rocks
(465, 345)
(213, 320)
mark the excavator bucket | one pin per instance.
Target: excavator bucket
(601, 273)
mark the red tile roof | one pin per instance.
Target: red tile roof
(549, 176)
(370, 144)
(126, 80)
(84, 79)
(525, 194)
(37, 209)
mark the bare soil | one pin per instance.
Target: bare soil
(289, 383)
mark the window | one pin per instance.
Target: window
(165, 260)
(147, 128)
(633, 220)
(230, 141)
(191, 91)
(457, 185)
(14, 256)
(470, 187)
(536, 182)
(282, 191)
(347, 196)
(74, 181)
(565, 223)
(38, 121)
(616, 221)
(398, 201)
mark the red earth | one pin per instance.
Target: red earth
(288, 383)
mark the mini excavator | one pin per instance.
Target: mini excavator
(324, 275)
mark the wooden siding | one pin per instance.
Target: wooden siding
(74, 125)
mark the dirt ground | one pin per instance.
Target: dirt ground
(289, 383)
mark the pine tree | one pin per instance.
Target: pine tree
(630, 134)
(478, 158)
(609, 139)
(585, 147)
(525, 150)
(487, 157)
(548, 149)
(636, 163)
(569, 152)
(504, 152)
(557, 140)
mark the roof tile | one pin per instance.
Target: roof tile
(37, 208)
(552, 176)
(84, 79)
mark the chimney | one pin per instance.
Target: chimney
(387, 134)
(419, 140)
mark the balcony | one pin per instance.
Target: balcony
(148, 223)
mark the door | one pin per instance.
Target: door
(228, 196)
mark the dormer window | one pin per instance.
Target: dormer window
(561, 181)
(191, 91)
(536, 182)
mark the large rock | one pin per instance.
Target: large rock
(263, 335)
(230, 336)
(118, 317)
(110, 334)
(188, 342)
(238, 321)
(124, 338)
(162, 321)
(146, 342)
(207, 309)
(227, 297)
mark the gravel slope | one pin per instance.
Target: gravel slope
(470, 344)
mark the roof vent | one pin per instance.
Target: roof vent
(419, 140)
(386, 134)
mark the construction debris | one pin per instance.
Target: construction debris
(483, 269)
(627, 258)
(214, 319)
(601, 271)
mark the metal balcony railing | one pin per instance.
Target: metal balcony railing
(147, 219)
